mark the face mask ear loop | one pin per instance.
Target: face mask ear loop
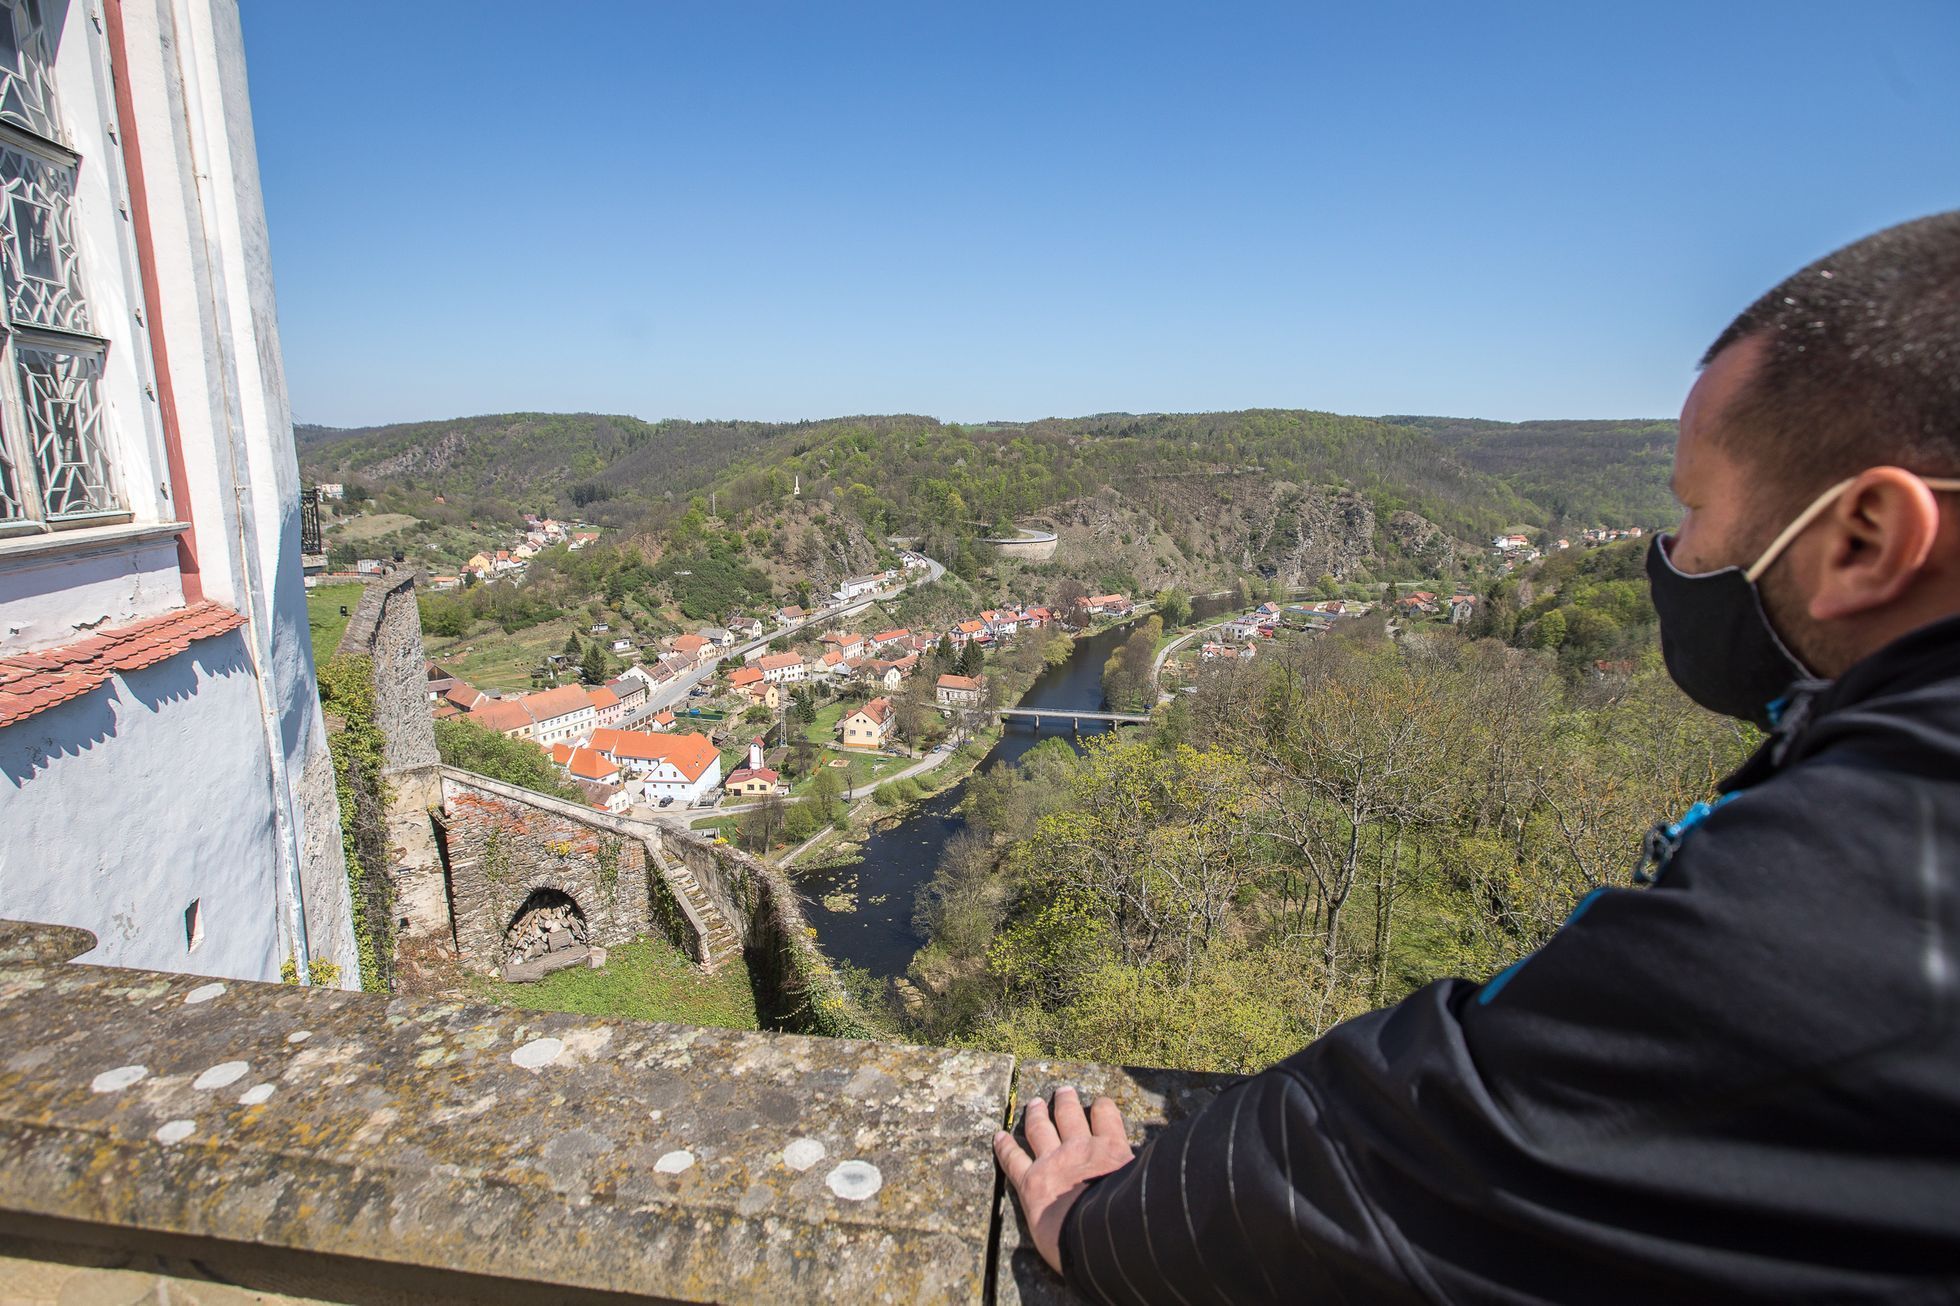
(1795, 528)
(1809, 515)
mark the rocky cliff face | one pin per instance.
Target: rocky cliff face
(1423, 542)
(1206, 533)
(816, 542)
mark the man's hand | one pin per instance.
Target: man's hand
(1069, 1151)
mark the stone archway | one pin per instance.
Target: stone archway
(547, 932)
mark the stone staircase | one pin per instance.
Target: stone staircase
(723, 941)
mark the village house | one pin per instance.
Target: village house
(1462, 608)
(967, 631)
(1509, 543)
(885, 638)
(717, 636)
(582, 538)
(753, 780)
(663, 719)
(547, 717)
(460, 697)
(506, 716)
(959, 691)
(1109, 605)
(749, 682)
(1215, 652)
(1240, 628)
(692, 647)
(586, 764)
(783, 668)
(1418, 603)
(882, 674)
(849, 645)
(631, 691)
(606, 707)
(859, 586)
(687, 772)
(830, 665)
(648, 675)
(789, 615)
(868, 727)
(744, 627)
(1000, 624)
(437, 681)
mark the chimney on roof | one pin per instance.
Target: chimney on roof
(755, 753)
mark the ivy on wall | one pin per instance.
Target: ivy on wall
(347, 692)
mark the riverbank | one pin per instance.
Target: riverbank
(859, 891)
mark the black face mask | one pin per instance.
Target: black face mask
(1715, 636)
(1717, 640)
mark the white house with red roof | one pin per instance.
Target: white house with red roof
(847, 644)
(783, 669)
(753, 780)
(959, 691)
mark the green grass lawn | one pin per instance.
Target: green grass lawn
(824, 729)
(370, 526)
(648, 979)
(323, 617)
(490, 659)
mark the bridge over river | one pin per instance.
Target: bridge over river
(1076, 715)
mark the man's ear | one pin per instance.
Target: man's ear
(1873, 543)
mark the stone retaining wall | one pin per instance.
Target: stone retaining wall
(387, 627)
(501, 843)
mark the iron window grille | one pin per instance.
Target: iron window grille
(54, 465)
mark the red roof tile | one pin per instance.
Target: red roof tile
(34, 682)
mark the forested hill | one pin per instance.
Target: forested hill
(1140, 500)
(1610, 473)
(545, 460)
(1463, 474)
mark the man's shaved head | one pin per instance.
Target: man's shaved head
(1859, 366)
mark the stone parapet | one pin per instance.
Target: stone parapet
(315, 1144)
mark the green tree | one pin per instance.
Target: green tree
(463, 744)
(1548, 632)
(827, 793)
(592, 667)
(1174, 606)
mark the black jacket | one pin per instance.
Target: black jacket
(1742, 1083)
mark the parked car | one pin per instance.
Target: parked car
(667, 801)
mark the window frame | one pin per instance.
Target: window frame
(26, 476)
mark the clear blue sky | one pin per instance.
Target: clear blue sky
(1004, 210)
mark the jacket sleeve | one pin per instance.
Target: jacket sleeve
(1575, 1126)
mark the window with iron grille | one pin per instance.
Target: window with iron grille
(54, 465)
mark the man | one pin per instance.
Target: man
(1741, 1082)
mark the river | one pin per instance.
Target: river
(899, 858)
